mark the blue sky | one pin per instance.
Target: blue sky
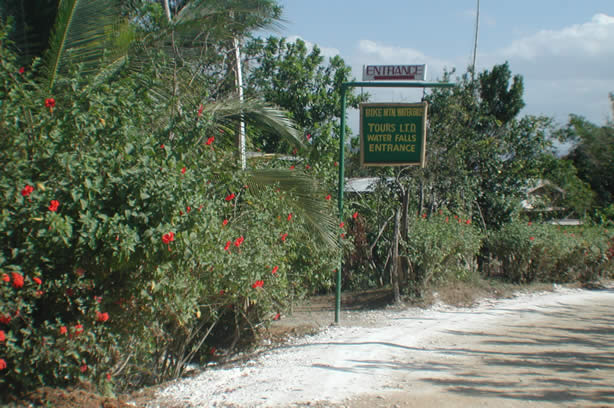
(564, 49)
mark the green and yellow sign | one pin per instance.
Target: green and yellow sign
(393, 134)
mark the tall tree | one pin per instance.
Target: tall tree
(301, 81)
(592, 156)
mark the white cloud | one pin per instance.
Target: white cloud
(324, 51)
(593, 39)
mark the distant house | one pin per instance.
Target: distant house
(544, 199)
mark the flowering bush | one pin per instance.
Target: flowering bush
(127, 252)
(441, 247)
(527, 251)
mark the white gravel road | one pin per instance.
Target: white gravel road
(537, 350)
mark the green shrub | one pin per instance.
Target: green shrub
(442, 247)
(529, 252)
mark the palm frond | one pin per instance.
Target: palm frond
(306, 196)
(259, 114)
(80, 35)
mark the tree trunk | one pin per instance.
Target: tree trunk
(394, 270)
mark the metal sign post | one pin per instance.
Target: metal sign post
(344, 87)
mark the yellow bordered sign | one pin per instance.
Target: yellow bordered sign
(393, 134)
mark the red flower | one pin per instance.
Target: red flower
(108, 376)
(78, 329)
(277, 316)
(355, 215)
(168, 237)
(102, 317)
(98, 299)
(222, 292)
(212, 351)
(17, 280)
(230, 197)
(239, 241)
(53, 205)
(2, 336)
(183, 170)
(210, 140)
(307, 167)
(200, 110)
(2, 364)
(227, 247)
(22, 70)
(27, 190)
(468, 222)
(289, 216)
(328, 197)
(84, 368)
(258, 284)
(225, 222)
(308, 136)
(336, 164)
(292, 167)
(188, 209)
(342, 235)
(447, 219)
(37, 281)
(342, 225)
(294, 151)
(532, 238)
(284, 236)
(5, 319)
(275, 269)
(162, 146)
(63, 330)
(5, 277)
(39, 293)
(50, 103)
(529, 223)
(424, 215)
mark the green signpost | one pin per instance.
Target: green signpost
(393, 134)
(344, 87)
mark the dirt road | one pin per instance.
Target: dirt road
(534, 350)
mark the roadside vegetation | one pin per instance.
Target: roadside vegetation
(133, 243)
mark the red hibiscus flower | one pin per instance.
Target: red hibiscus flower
(239, 241)
(225, 222)
(53, 205)
(210, 141)
(108, 376)
(328, 197)
(162, 146)
(2, 364)
(17, 280)
(78, 329)
(183, 170)
(289, 216)
(27, 190)
(284, 236)
(200, 110)
(292, 167)
(22, 70)
(63, 330)
(5, 277)
(532, 238)
(5, 319)
(168, 237)
(355, 215)
(468, 222)
(342, 225)
(188, 209)
(230, 197)
(50, 103)
(308, 136)
(102, 317)
(277, 316)
(83, 368)
(37, 281)
(257, 284)
(275, 269)
(2, 336)
(227, 247)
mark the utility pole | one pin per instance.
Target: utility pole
(239, 82)
(475, 40)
